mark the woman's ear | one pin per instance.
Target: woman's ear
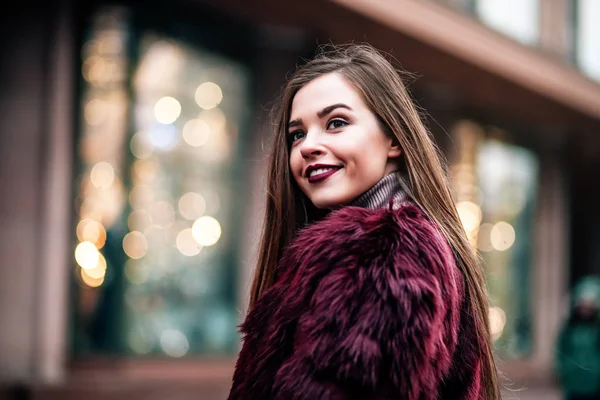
(394, 151)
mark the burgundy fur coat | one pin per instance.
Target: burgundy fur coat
(367, 304)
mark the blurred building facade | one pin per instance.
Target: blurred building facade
(134, 142)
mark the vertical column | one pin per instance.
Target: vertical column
(23, 79)
(551, 266)
(52, 268)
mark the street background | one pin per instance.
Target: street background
(133, 144)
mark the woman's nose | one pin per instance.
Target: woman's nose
(312, 145)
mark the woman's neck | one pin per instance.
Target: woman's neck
(389, 188)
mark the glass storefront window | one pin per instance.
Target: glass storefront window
(161, 188)
(179, 293)
(495, 185)
(518, 19)
(587, 46)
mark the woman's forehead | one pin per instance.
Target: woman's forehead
(323, 92)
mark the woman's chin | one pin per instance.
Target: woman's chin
(327, 203)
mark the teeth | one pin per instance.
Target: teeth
(319, 171)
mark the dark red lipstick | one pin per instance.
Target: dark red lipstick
(323, 176)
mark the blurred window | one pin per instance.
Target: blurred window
(495, 185)
(587, 36)
(157, 193)
(518, 19)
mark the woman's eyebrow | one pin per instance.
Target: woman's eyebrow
(329, 109)
(296, 122)
(320, 114)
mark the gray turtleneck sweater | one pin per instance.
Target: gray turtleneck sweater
(390, 187)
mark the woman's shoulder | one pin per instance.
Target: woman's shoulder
(357, 224)
(352, 232)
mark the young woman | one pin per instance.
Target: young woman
(366, 286)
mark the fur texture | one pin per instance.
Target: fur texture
(368, 304)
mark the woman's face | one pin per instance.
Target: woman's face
(338, 150)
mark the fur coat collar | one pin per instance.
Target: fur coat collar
(367, 304)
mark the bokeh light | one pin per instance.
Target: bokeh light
(470, 214)
(139, 220)
(96, 112)
(196, 132)
(162, 137)
(140, 341)
(208, 95)
(87, 255)
(502, 236)
(484, 241)
(174, 343)
(167, 110)
(92, 231)
(497, 318)
(102, 175)
(206, 231)
(88, 280)
(186, 243)
(192, 206)
(140, 146)
(99, 271)
(135, 245)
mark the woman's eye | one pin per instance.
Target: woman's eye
(297, 135)
(336, 124)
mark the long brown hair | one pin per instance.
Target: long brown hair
(383, 90)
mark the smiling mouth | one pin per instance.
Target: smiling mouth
(319, 175)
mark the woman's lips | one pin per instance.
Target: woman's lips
(323, 176)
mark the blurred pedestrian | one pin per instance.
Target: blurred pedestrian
(366, 285)
(578, 345)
